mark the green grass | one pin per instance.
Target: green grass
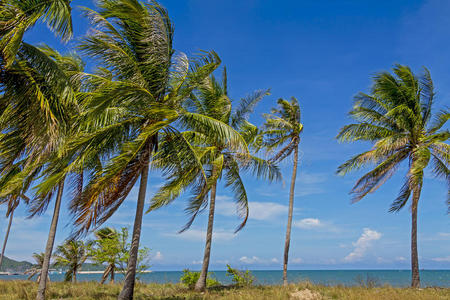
(93, 290)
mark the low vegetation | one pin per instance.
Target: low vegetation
(93, 290)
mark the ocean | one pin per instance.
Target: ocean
(398, 278)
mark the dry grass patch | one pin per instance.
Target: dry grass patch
(26, 290)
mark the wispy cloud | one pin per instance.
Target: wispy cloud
(363, 244)
(158, 256)
(258, 210)
(260, 261)
(315, 224)
(297, 260)
(199, 235)
(249, 260)
(309, 190)
(441, 259)
(311, 178)
(308, 223)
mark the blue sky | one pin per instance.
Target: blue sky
(323, 53)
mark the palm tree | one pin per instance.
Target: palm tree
(72, 254)
(12, 205)
(219, 157)
(12, 201)
(37, 269)
(282, 129)
(18, 16)
(138, 97)
(396, 118)
(39, 106)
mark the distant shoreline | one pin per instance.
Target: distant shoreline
(101, 272)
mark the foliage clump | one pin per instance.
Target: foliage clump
(240, 278)
(112, 249)
(190, 278)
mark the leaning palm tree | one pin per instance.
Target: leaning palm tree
(9, 214)
(11, 201)
(72, 254)
(281, 133)
(138, 97)
(36, 270)
(396, 117)
(220, 159)
(18, 16)
(38, 110)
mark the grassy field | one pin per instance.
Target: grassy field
(304, 291)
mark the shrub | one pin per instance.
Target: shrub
(190, 279)
(240, 278)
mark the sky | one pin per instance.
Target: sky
(323, 53)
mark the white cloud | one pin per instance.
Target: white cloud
(444, 234)
(308, 223)
(309, 190)
(400, 258)
(441, 259)
(197, 262)
(158, 256)
(260, 261)
(200, 235)
(314, 223)
(258, 210)
(222, 262)
(363, 244)
(297, 260)
(311, 178)
(266, 210)
(249, 260)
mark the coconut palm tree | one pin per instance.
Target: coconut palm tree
(72, 254)
(139, 97)
(220, 159)
(10, 214)
(36, 270)
(12, 201)
(18, 16)
(281, 133)
(396, 117)
(39, 106)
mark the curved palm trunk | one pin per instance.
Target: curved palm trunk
(112, 275)
(50, 241)
(6, 237)
(128, 287)
(415, 278)
(105, 274)
(74, 276)
(201, 282)
(289, 223)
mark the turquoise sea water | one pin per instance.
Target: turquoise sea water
(397, 278)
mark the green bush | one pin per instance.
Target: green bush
(190, 279)
(240, 278)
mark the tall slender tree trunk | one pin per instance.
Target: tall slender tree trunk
(128, 287)
(6, 237)
(201, 282)
(289, 223)
(112, 275)
(74, 276)
(50, 241)
(415, 277)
